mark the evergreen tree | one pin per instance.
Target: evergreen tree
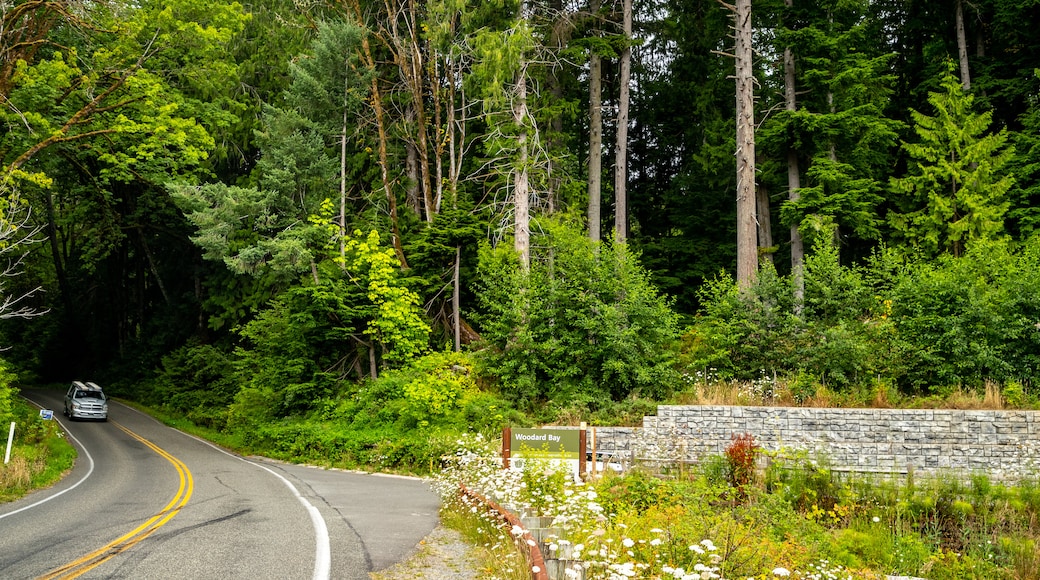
(681, 151)
(1024, 196)
(956, 188)
(839, 131)
(583, 321)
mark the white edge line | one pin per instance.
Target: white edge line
(68, 489)
(322, 551)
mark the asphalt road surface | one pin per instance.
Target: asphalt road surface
(146, 501)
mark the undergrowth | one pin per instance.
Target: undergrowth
(794, 518)
(40, 455)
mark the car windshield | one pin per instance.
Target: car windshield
(89, 394)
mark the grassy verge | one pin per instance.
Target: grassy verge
(180, 422)
(491, 546)
(40, 455)
(324, 442)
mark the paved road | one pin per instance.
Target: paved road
(146, 501)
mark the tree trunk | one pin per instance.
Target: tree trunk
(411, 167)
(384, 169)
(595, 137)
(409, 57)
(152, 266)
(747, 242)
(343, 190)
(384, 163)
(797, 245)
(456, 314)
(373, 372)
(621, 147)
(439, 135)
(57, 255)
(554, 138)
(962, 47)
(521, 183)
(765, 226)
(450, 134)
(457, 138)
(794, 181)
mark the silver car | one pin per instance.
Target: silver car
(86, 401)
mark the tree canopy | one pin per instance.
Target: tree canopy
(306, 197)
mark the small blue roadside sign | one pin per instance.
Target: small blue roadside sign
(46, 414)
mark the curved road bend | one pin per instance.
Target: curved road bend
(146, 501)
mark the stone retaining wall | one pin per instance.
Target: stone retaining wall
(1002, 443)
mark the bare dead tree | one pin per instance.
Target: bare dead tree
(747, 227)
(17, 236)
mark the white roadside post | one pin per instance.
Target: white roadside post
(10, 440)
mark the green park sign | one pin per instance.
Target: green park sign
(545, 443)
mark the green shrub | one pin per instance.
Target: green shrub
(1014, 394)
(7, 393)
(867, 544)
(970, 319)
(834, 293)
(949, 565)
(440, 385)
(638, 491)
(803, 387)
(913, 324)
(252, 407)
(738, 334)
(436, 391)
(487, 413)
(337, 444)
(40, 455)
(808, 484)
(584, 318)
(197, 381)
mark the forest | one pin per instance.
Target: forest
(293, 220)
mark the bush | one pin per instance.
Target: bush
(1014, 395)
(334, 443)
(439, 386)
(438, 390)
(916, 325)
(7, 393)
(739, 334)
(197, 381)
(294, 350)
(970, 319)
(584, 319)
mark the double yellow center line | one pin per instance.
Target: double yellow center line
(130, 539)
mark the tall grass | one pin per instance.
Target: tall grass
(768, 390)
(492, 546)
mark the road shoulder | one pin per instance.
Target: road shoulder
(442, 555)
